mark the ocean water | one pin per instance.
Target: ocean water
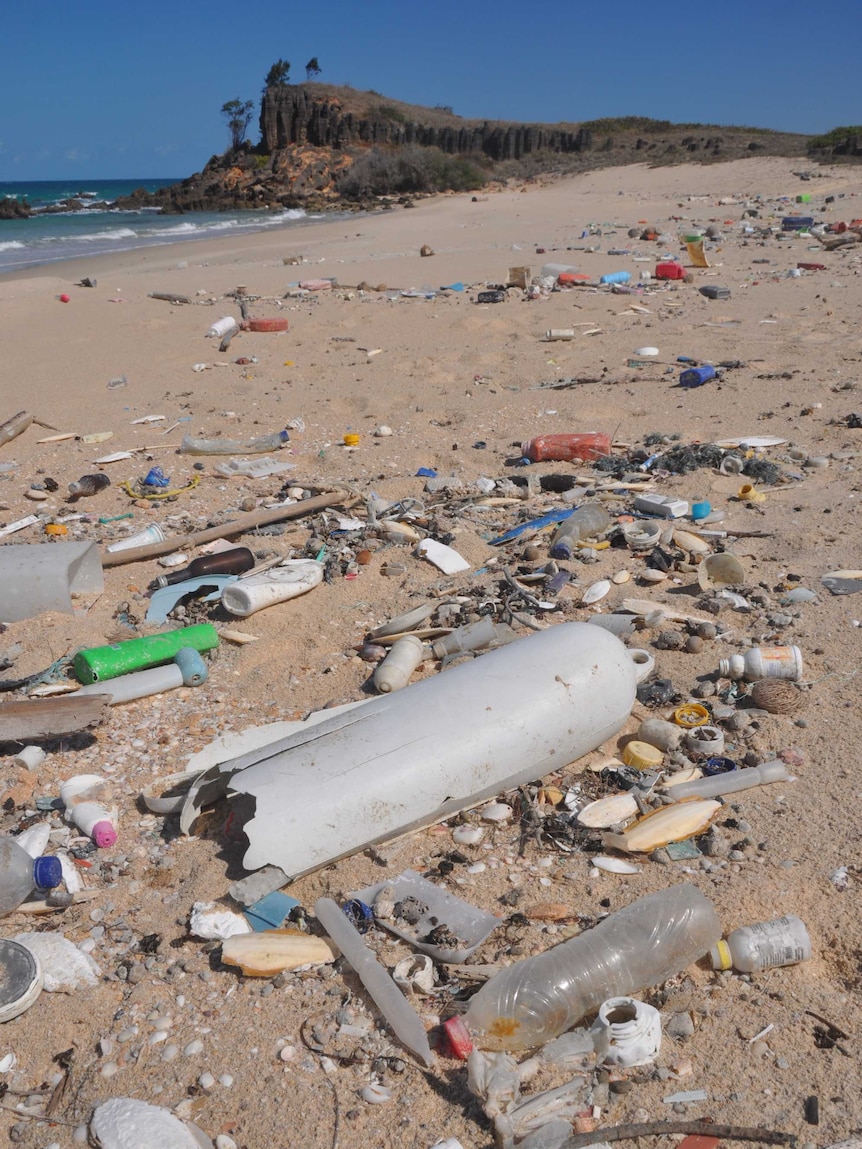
(50, 238)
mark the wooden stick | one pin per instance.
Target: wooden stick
(48, 717)
(237, 526)
(661, 1128)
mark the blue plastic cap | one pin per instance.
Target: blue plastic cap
(47, 872)
(359, 913)
(284, 436)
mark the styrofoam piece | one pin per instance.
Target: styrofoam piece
(469, 924)
(259, 468)
(665, 506)
(35, 839)
(207, 921)
(125, 1123)
(44, 576)
(444, 558)
(65, 968)
(417, 756)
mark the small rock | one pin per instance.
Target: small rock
(680, 1026)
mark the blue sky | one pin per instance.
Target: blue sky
(110, 90)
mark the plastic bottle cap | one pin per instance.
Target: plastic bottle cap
(20, 979)
(459, 1037)
(692, 714)
(47, 872)
(351, 439)
(642, 756)
(104, 835)
(719, 955)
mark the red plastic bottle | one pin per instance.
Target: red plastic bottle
(586, 446)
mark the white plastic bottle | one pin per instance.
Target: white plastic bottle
(763, 662)
(541, 997)
(20, 874)
(281, 583)
(85, 797)
(395, 670)
(783, 941)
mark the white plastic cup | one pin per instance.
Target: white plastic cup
(30, 757)
(153, 534)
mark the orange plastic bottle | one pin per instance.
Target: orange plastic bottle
(586, 445)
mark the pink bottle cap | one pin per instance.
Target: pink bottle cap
(104, 835)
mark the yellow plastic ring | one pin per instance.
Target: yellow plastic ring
(692, 714)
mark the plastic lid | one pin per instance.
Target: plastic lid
(719, 955)
(459, 1037)
(104, 835)
(20, 979)
(47, 872)
(642, 756)
(691, 714)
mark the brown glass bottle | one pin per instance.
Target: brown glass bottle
(234, 561)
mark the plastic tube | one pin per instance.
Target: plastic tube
(391, 1002)
(142, 684)
(731, 782)
(395, 670)
(538, 998)
(15, 426)
(103, 662)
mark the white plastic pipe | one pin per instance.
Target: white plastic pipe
(731, 782)
(141, 684)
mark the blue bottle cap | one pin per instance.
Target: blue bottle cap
(714, 766)
(47, 872)
(700, 510)
(360, 914)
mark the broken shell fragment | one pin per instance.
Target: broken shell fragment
(607, 812)
(496, 812)
(615, 865)
(548, 912)
(271, 951)
(650, 575)
(596, 592)
(694, 544)
(669, 824)
(468, 835)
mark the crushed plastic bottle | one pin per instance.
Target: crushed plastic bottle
(20, 874)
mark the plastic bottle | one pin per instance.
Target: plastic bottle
(783, 941)
(585, 445)
(13, 427)
(538, 998)
(20, 874)
(473, 636)
(234, 561)
(697, 376)
(616, 277)
(291, 578)
(85, 797)
(583, 523)
(221, 327)
(258, 446)
(395, 670)
(763, 662)
(88, 485)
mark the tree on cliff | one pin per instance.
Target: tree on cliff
(238, 116)
(277, 75)
(312, 68)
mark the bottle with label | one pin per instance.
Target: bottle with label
(783, 941)
(763, 662)
(20, 874)
(88, 485)
(584, 445)
(235, 561)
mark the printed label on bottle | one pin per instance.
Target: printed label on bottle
(778, 661)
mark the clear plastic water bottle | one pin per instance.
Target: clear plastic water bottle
(20, 874)
(539, 998)
(587, 521)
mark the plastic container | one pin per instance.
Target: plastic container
(474, 636)
(103, 662)
(697, 376)
(731, 782)
(44, 576)
(13, 427)
(585, 445)
(233, 561)
(669, 271)
(258, 446)
(85, 797)
(585, 522)
(20, 874)
(713, 291)
(555, 270)
(782, 941)
(405, 760)
(538, 998)
(20, 979)
(763, 662)
(153, 534)
(395, 670)
(616, 277)
(279, 584)
(88, 485)
(221, 327)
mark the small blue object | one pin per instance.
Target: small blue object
(192, 666)
(700, 510)
(616, 277)
(359, 914)
(534, 524)
(270, 912)
(426, 473)
(47, 872)
(156, 477)
(697, 376)
(453, 287)
(714, 766)
(685, 359)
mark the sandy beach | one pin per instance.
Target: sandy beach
(460, 386)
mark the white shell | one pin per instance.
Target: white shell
(651, 575)
(124, 1123)
(596, 592)
(376, 1094)
(468, 835)
(615, 865)
(496, 812)
(694, 544)
(620, 577)
(646, 352)
(610, 811)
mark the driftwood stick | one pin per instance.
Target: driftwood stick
(169, 297)
(237, 526)
(660, 1128)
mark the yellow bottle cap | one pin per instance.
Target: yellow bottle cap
(720, 956)
(642, 756)
(351, 439)
(692, 714)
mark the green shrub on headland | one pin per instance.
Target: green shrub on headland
(409, 170)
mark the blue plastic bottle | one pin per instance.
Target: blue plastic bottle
(697, 376)
(616, 277)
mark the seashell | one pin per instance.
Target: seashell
(688, 775)
(668, 824)
(596, 592)
(606, 812)
(36, 495)
(615, 865)
(646, 352)
(694, 544)
(548, 912)
(720, 570)
(620, 577)
(376, 1094)
(778, 696)
(271, 951)
(650, 575)
(414, 974)
(551, 795)
(496, 812)
(238, 637)
(468, 835)
(399, 532)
